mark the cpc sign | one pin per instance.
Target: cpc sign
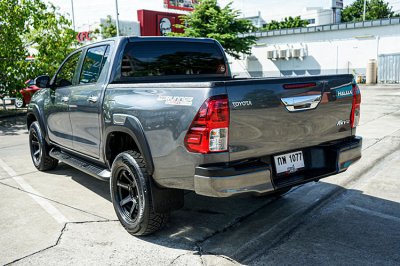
(83, 36)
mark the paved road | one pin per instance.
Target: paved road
(66, 217)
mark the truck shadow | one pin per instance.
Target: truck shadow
(12, 126)
(99, 187)
(301, 227)
(306, 225)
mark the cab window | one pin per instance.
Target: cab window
(65, 75)
(93, 64)
(165, 59)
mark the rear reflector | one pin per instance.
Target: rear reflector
(355, 109)
(209, 130)
(300, 85)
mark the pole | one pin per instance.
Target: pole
(116, 15)
(73, 14)
(334, 15)
(365, 9)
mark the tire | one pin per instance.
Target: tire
(40, 150)
(19, 103)
(130, 194)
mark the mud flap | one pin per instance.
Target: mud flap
(166, 200)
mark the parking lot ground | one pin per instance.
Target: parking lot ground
(66, 217)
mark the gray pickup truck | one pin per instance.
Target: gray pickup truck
(157, 116)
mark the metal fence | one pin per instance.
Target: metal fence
(331, 27)
(389, 68)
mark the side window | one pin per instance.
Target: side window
(93, 64)
(66, 74)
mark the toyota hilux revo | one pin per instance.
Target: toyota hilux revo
(156, 116)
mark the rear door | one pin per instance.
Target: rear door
(85, 101)
(271, 116)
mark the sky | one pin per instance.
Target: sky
(89, 12)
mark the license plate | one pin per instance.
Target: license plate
(289, 162)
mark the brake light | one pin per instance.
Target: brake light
(355, 110)
(209, 130)
(300, 86)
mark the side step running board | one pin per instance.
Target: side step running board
(88, 168)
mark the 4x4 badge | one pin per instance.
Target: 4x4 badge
(342, 122)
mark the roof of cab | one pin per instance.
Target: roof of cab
(163, 38)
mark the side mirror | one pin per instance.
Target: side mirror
(42, 81)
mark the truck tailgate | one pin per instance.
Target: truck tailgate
(270, 116)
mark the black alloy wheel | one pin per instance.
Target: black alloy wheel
(127, 195)
(131, 196)
(40, 149)
(36, 149)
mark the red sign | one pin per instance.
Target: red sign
(187, 5)
(154, 23)
(83, 36)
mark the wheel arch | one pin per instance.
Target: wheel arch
(115, 137)
(35, 115)
(30, 118)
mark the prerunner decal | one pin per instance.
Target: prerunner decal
(176, 100)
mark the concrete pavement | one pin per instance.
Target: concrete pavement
(351, 218)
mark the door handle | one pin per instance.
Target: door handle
(301, 103)
(92, 99)
(65, 99)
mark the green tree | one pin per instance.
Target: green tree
(273, 25)
(286, 23)
(209, 20)
(54, 39)
(27, 25)
(107, 29)
(376, 9)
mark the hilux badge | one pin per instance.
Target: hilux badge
(344, 93)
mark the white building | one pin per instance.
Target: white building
(257, 21)
(326, 15)
(317, 16)
(331, 49)
(126, 28)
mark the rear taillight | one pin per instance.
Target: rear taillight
(209, 130)
(355, 110)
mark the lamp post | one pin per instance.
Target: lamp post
(365, 9)
(116, 15)
(73, 14)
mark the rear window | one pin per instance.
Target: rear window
(171, 59)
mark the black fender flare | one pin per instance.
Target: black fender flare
(131, 126)
(36, 112)
(164, 199)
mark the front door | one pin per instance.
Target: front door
(57, 109)
(85, 102)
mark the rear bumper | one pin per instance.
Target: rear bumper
(224, 180)
(348, 153)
